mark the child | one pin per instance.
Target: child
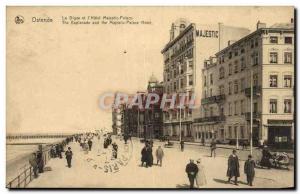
(249, 170)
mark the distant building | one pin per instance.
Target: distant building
(225, 113)
(183, 55)
(145, 123)
(118, 119)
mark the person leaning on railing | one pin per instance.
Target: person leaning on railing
(33, 163)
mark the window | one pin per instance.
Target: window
(190, 65)
(288, 40)
(242, 50)
(205, 94)
(235, 107)
(243, 64)
(204, 80)
(256, 43)
(242, 132)
(273, 57)
(287, 79)
(242, 84)
(229, 88)
(211, 110)
(255, 107)
(211, 78)
(287, 105)
(236, 53)
(235, 131)
(236, 87)
(230, 55)
(229, 109)
(221, 89)
(221, 110)
(273, 105)
(255, 79)
(287, 57)
(175, 86)
(221, 73)
(242, 107)
(229, 132)
(254, 58)
(273, 80)
(181, 83)
(210, 92)
(274, 39)
(236, 70)
(229, 69)
(190, 80)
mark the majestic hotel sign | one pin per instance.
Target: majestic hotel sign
(207, 33)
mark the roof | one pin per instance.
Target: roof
(279, 27)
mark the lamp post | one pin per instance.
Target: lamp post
(251, 111)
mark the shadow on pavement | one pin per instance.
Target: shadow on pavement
(185, 186)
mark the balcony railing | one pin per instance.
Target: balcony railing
(210, 119)
(256, 115)
(213, 99)
(256, 91)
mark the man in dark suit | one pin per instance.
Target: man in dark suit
(69, 155)
(233, 169)
(191, 169)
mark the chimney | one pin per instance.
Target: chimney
(260, 25)
(230, 42)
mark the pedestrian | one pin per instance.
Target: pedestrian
(213, 147)
(90, 143)
(266, 156)
(40, 161)
(114, 151)
(159, 155)
(200, 177)
(249, 170)
(233, 169)
(191, 169)
(33, 164)
(182, 145)
(149, 156)
(69, 155)
(144, 155)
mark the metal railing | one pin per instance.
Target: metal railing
(26, 176)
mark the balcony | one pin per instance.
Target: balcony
(210, 119)
(256, 116)
(256, 91)
(213, 99)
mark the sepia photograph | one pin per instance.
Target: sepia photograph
(151, 97)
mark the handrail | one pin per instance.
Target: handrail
(20, 182)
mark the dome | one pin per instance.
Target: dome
(153, 78)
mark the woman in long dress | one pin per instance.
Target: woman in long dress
(200, 177)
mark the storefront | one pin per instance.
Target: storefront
(280, 133)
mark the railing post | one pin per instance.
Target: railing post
(19, 181)
(25, 178)
(30, 172)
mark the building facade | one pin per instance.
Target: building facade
(145, 122)
(266, 55)
(183, 55)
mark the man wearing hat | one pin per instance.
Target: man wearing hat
(69, 155)
(233, 169)
(191, 169)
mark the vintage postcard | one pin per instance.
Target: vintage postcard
(131, 97)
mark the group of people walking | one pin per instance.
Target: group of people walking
(147, 155)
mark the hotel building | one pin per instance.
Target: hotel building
(268, 55)
(183, 55)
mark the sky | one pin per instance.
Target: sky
(56, 72)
